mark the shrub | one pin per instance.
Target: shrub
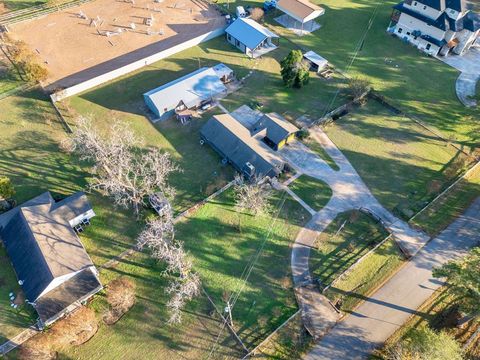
(120, 297)
(358, 87)
(6, 188)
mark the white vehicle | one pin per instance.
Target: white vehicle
(241, 13)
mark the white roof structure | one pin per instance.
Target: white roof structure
(190, 89)
(301, 10)
(316, 59)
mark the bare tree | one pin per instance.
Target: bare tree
(121, 170)
(251, 196)
(359, 87)
(159, 237)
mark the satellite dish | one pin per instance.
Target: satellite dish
(20, 282)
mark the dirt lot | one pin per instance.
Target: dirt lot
(91, 39)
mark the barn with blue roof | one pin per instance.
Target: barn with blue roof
(251, 38)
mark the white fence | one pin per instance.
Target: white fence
(108, 76)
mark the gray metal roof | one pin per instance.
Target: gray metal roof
(233, 141)
(40, 242)
(249, 32)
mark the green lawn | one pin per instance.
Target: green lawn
(403, 165)
(31, 158)
(11, 320)
(144, 330)
(350, 236)
(366, 277)
(12, 5)
(314, 192)
(444, 211)
(224, 243)
(417, 83)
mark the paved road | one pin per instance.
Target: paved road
(391, 306)
(349, 192)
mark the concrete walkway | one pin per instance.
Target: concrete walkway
(18, 340)
(390, 307)
(469, 67)
(348, 192)
(466, 88)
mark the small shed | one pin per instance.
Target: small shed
(316, 62)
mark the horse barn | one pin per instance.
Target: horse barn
(189, 92)
(299, 15)
(251, 38)
(52, 266)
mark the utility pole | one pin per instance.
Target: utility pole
(228, 309)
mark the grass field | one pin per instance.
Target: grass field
(396, 69)
(358, 284)
(314, 192)
(144, 330)
(11, 320)
(403, 165)
(350, 236)
(442, 212)
(225, 243)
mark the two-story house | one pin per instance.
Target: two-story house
(436, 27)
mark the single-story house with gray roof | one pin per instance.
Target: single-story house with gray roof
(247, 152)
(251, 38)
(52, 266)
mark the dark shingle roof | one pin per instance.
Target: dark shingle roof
(277, 127)
(234, 141)
(440, 23)
(40, 242)
(76, 288)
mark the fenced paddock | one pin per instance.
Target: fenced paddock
(85, 41)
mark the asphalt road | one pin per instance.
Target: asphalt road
(379, 316)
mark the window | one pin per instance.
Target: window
(237, 42)
(415, 3)
(408, 33)
(400, 30)
(229, 37)
(425, 7)
(165, 109)
(428, 46)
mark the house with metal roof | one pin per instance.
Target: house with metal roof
(437, 27)
(251, 38)
(52, 266)
(189, 92)
(299, 15)
(316, 62)
(246, 151)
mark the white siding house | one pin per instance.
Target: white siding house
(436, 27)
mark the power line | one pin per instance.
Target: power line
(246, 273)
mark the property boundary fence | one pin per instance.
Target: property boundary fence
(138, 64)
(466, 174)
(33, 12)
(264, 341)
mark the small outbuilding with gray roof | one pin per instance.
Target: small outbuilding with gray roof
(251, 38)
(50, 262)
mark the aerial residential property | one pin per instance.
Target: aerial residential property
(437, 27)
(51, 264)
(218, 180)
